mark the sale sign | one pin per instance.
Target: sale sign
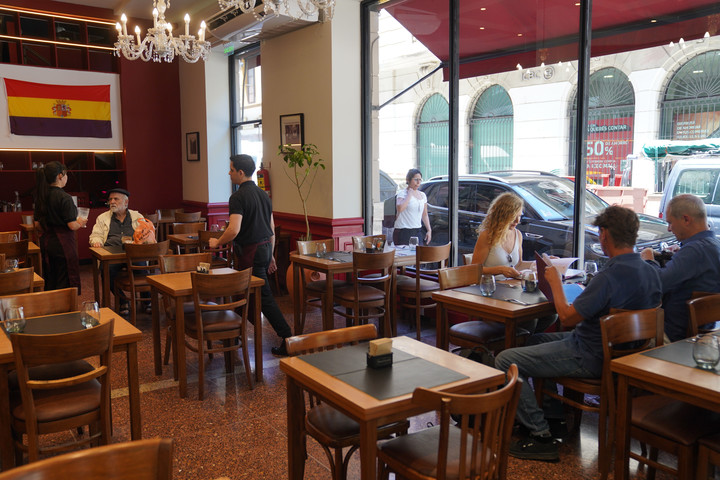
(610, 141)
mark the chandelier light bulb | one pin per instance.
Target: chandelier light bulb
(187, 24)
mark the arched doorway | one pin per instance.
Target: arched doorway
(491, 131)
(432, 137)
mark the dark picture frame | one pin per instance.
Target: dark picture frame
(192, 146)
(292, 130)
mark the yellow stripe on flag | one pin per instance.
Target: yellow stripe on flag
(49, 108)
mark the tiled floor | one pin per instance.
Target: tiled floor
(241, 434)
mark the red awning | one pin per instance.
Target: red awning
(496, 35)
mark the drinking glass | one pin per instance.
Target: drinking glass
(11, 264)
(413, 242)
(83, 212)
(321, 250)
(214, 227)
(590, 271)
(706, 351)
(529, 281)
(90, 314)
(487, 285)
(379, 244)
(126, 239)
(14, 320)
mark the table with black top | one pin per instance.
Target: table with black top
(374, 397)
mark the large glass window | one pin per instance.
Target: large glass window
(491, 131)
(432, 136)
(246, 122)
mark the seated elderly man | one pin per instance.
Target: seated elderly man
(626, 281)
(695, 267)
(110, 228)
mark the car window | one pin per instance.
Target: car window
(553, 198)
(437, 195)
(466, 194)
(484, 195)
(702, 183)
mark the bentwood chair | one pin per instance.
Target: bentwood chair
(217, 300)
(413, 291)
(312, 290)
(10, 236)
(476, 448)
(138, 460)
(153, 217)
(221, 255)
(18, 281)
(190, 227)
(16, 250)
(474, 334)
(142, 260)
(704, 312)
(329, 427)
(368, 296)
(191, 217)
(43, 303)
(64, 403)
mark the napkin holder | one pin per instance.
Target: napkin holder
(380, 353)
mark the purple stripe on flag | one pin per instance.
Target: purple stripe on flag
(60, 127)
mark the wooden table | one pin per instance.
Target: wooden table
(125, 338)
(681, 382)
(487, 308)
(101, 260)
(38, 283)
(368, 411)
(34, 257)
(186, 240)
(179, 287)
(330, 268)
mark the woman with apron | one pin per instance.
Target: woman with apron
(58, 218)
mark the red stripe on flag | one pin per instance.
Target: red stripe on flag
(93, 93)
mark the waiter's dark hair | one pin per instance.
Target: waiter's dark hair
(44, 177)
(243, 162)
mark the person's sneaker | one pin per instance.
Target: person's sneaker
(558, 427)
(280, 351)
(535, 448)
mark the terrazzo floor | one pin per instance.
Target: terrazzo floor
(238, 433)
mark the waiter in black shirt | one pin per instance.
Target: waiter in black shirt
(252, 231)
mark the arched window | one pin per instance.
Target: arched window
(691, 105)
(611, 114)
(491, 131)
(432, 137)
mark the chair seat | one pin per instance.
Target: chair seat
(318, 286)
(480, 331)
(216, 321)
(365, 294)
(337, 430)
(407, 285)
(420, 451)
(678, 421)
(62, 403)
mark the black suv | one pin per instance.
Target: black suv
(547, 218)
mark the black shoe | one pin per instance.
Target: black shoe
(558, 427)
(280, 351)
(536, 448)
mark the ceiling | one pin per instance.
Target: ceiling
(198, 9)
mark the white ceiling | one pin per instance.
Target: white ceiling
(198, 9)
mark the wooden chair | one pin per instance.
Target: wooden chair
(10, 236)
(166, 214)
(708, 454)
(45, 407)
(329, 427)
(414, 290)
(477, 448)
(369, 294)
(153, 217)
(467, 258)
(15, 250)
(43, 303)
(313, 291)
(222, 255)
(704, 310)
(182, 217)
(193, 227)
(138, 460)
(217, 298)
(142, 260)
(19, 281)
(474, 333)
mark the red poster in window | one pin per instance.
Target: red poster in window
(610, 141)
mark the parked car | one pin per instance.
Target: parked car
(698, 175)
(546, 223)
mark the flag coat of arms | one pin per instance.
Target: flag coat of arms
(58, 110)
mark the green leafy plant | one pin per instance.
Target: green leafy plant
(301, 168)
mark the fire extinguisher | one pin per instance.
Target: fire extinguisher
(263, 178)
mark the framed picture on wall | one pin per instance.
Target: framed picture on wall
(192, 146)
(292, 130)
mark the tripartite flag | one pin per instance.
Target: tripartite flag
(58, 110)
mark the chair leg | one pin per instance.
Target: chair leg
(417, 317)
(246, 359)
(201, 368)
(703, 461)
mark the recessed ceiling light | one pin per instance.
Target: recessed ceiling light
(482, 9)
(482, 28)
(520, 34)
(653, 20)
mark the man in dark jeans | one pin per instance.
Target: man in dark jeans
(252, 230)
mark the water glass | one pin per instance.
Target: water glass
(11, 264)
(14, 320)
(590, 271)
(529, 281)
(413, 242)
(126, 239)
(90, 314)
(706, 351)
(487, 285)
(321, 250)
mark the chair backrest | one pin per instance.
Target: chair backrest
(18, 281)
(486, 427)
(187, 217)
(437, 254)
(9, 236)
(193, 227)
(166, 214)
(153, 217)
(227, 291)
(28, 219)
(461, 276)
(374, 268)
(138, 460)
(43, 303)
(15, 250)
(703, 310)
(329, 339)
(222, 253)
(149, 253)
(467, 258)
(361, 242)
(205, 235)
(309, 247)
(183, 263)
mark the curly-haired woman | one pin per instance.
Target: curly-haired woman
(499, 244)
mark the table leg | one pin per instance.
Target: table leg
(328, 319)
(180, 344)
(622, 430)
(297, 308)
(510, 337)
(296, 430)
(106, 285)
(441, 327)
(257, 330)
(368, 449)
(96, 279)
(7, 448)
(134, 392)
(157, 349)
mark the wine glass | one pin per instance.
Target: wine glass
(590, 270)
(321, 250)
(413, 242)
(14, 319)
(529, 281)
(487, 285)
(11, 264)
(90, 314)
(706, 351)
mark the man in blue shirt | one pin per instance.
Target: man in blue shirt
(695, 267)
(625, 282)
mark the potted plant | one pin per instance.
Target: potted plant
(302, 168)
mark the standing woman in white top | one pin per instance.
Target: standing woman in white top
(499, 244)
(412, 212)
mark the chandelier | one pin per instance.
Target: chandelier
(159, 44)
(324, 8)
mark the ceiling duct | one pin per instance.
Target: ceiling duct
(234, 25)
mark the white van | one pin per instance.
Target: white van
(698, 175)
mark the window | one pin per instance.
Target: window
(491, 131)
(246, 98)
(432, 137)
(703, 183)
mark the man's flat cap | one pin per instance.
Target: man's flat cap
(119, 190)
